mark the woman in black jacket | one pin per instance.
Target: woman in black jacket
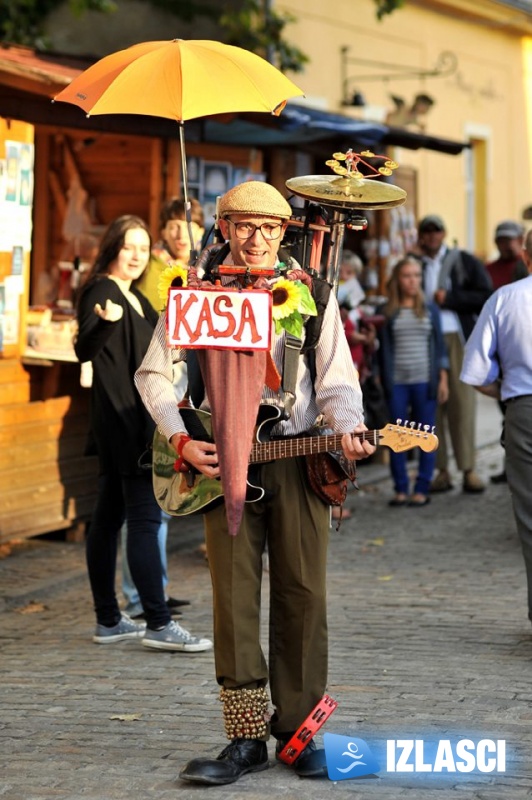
(116, 323)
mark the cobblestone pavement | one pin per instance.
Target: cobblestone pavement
(429, 639)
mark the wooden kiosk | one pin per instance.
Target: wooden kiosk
(63, 178)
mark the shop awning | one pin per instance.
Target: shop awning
(299, 125)
(28, 80)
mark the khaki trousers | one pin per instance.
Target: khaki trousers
(293, 524)
(518, 445)
(457, 414)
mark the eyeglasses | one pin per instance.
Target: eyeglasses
(245, 230)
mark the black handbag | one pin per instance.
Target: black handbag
(376, 414)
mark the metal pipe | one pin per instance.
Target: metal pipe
(336, 245)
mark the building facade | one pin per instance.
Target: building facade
(472, 58)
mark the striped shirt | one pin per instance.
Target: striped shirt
(336, 393)
(412, 336)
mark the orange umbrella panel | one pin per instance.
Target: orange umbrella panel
(180, 79)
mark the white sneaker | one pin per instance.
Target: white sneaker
(125, 629)
(174, 637)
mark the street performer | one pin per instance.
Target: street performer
(290, 520)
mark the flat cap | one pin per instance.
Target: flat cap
(431, 221)
(509, 229)
(254, 197)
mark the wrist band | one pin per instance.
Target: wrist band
(295, 746)
(183, 439)
(180, 465)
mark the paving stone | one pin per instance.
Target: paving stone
(429, 638)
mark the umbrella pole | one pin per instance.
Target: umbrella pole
(188, 215)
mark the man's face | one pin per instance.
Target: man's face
(175, 234)
(258, 250)
(431, 240)
(509, 247)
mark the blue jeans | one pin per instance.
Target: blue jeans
(130, 591)
(410, 401)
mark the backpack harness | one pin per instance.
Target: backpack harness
(294, 346)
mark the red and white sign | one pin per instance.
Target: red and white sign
(228, 318)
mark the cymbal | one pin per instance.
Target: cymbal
(347, 192)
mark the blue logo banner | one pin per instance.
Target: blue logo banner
(348, 757)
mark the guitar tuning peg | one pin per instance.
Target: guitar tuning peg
(405, 423)
(398, 421)
(412, 424)
(426, 428)
(419, 426)
(433, 428)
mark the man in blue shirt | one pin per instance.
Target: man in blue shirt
(498, 362)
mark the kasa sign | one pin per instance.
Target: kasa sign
(220, 318)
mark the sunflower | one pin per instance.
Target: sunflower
(174, 275)
(286, 297)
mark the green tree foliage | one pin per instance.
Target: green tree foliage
(387, 7)
(252, 24)
(261, 31)
(21, 21)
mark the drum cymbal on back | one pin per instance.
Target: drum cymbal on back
(347, 192)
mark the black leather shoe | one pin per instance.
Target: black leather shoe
(499, 478)
(239, 757)
(173, 602)
(310, 764)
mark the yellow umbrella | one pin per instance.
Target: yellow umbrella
(180, 79)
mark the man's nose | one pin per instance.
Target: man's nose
(255, 235)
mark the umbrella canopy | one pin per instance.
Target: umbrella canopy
(180, 79)
(185, 79)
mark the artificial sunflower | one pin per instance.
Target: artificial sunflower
(286, 296)
(292, 301)
(174, 275)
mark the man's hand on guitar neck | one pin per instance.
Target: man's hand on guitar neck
(200, 455)
(355, 448)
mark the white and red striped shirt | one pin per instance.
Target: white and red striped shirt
(336, 393)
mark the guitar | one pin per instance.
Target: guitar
(182, 494)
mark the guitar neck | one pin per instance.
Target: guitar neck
(289, 448)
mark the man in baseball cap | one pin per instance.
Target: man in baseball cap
(432, 222)
(458, 283)
(509, 266)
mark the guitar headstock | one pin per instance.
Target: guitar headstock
(404, 437)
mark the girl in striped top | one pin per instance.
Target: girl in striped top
(413, 366)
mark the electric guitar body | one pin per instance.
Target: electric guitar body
(186, 493)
